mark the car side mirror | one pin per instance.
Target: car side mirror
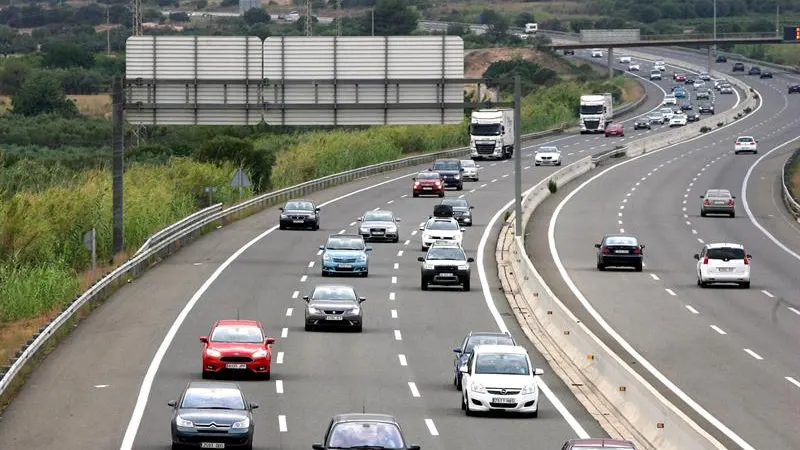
(702, 196)
(362, 299)
(457, 350)
(269, 340)
(172, 403)
(368, 249)
(471, 207)
(317, 209)
(412, 179)
(749, 256)
(398, 220)
(317, 447)
(470, 259)
(641, 246)
(696, 256)
(281, 208)
(463, 230)
(733, 196)
(596, 245)
(306, 298)
(360, 219)
(461, 169)
(322, 247)
(203, 339)
(538, 372)
(254, 405)
(421, 228)
(421, 259)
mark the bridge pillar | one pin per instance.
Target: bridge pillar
(611, 62)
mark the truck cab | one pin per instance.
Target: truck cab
(531, 28)
(596, 112)
(491, 134)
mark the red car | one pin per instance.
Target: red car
(615, 129)
(593, 444)
(679, 77)
(427, 183)
(237, 346)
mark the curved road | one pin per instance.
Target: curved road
(733, 351)
(86, 391)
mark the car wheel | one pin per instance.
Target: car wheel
(282, 226)
(638, 267)
(467, 408)
(267, 376)
(460, 187)
(366, 273)
(601, 266)
(442, 194)
(359, 328)
(702, 283)
(458, 383)
(423, 284)
(745, 285)
(309, 327)
(414, 194)
(733, 214)
(466, 286)
(463, 403)
(324, 273)
(735, 152)
(535, 414)
(207, 375)
(316, 226)
(176, 446)
(396, 240)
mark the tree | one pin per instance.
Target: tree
(394, 18)
(256, 15)
(42, 93)
(457, 29)
(498, 25)
(67, 55)
(13, 74)
(523, 18)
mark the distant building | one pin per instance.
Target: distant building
(245, 5)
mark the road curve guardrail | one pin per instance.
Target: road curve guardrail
(789, 199)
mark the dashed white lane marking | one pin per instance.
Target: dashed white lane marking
(403, 361)
(753, 354)
(279, 359)
(461, 196)
(494, 181)
(624, 200)
(794, 310)
(406, 242)
(404, 196)
(621, 206)
(654, 276)
(622, 230)
(414, 233)
(526, 167)
(399, 253)
(471, 191)
(279, 386)
(397, 335)
(303, 278)
(311, 264)
(342, 231)
(352, 224)
(483, 185)
(793, 381)
(717, 329)
(619, 222)
(688, 223)
(295, 294)
(284, 333)
(671, 292)
(319, 252)
(396, 266)
(413, 387)
(504, 176)
(394, 280)
(620, 214)
(282, 424)
(767, 293)
(393, 313)
(701, 241)
(390, 202)
(392, 295)
(431, 427)
(692, 310)
(694, 231)
(289, 312)
(376, 209)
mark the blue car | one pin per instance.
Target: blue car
(476, 338)
(345, 253)
(679, 93)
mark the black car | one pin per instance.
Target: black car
(794, 88)
(451, 171)
(445, 264)
(738, 67)
(754, 71)
(462, 210)
(689, 80)
(686, 106)
(212, 415)
(619, 250)
(722, 59)
(692, 116)
(364, 431)
(474, 338)
(766, 75)
(705, 108)
(642, 122)
(569, 52)
(299, 214)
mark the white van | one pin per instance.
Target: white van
(531, 28)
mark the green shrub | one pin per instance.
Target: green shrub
(720, 124)
(29, 291)
(705, 129)
(552, 186)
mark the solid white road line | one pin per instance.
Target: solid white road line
(654, 276)
(284, 333)
(403, 361)
(279, 386)
(794, 310)
(414, 390)
(753, 354)
(767, 293)
(717, 329)
(671, 292)
(431, 427)
(282, 424)
(793, 381)
(397, 335)
(279, 359)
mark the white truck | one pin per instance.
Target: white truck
(531, 28)
(596, 112)
(491, 134)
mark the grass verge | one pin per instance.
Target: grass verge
(98, 106)
(794, 174)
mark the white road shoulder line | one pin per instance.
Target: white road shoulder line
(793, 381)
(767, 293)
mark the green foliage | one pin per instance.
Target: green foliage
(705, 129)
(532, 76)
(256, 15)
(394, 18)
(28, 291)
(54, 131)
(65, 55)
(552, 186)
(42, 93)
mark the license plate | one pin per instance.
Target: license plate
(298, 221)
(333, 317)
(620, 251)
(212, 445)
(504, 400)
(446, 274)
(726, 269)
(427, 188)
(346, 266)
(234, 366)
(378, 233)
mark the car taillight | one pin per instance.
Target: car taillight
(637, 251)
(730, 202)
(706, 202)
(705, 260)
(746, 261)
(605, 250)
(738, 143)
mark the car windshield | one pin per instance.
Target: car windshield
(468, 163)
(237, 333)
(448, 254)
(299, 206)
(604, 447)
(378, 216)
(489, 129)
(428, 176)
(446, 165)
(442, 225)
(725, 253)
(341, 243)
(213, 398)
(334, 293)
(456, 202)
(591, 109)
(357, 434)
(548, 150)
(487, 340)
(745, 139)
(502, 364)
(718, 194)
(621, 240)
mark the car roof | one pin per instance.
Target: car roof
(442, 219)
(745, 137)
(333, 285)
(213, 385)
(548, 148)
(599, 442)
(489, 334)
(350, 236)
(364, 417)
(718, 191)
(240, 322)
(446, 243)
(724, 245)
(300, 200)
(384, 211)
(620, 235)
(510, 349)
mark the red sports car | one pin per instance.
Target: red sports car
(427, 183)
(615, 129)
(237, 346)
(593, 444)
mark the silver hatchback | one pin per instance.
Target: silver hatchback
(334, 305)
(718, 201)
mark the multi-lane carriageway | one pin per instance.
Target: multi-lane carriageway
(90, 392)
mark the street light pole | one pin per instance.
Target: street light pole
(712, 54)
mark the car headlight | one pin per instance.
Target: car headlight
(427, 266)
(477, 387)
(213, 353)
(363, 257)
(354, 311)
(312, 310)
(242, 424)
(183, 423)
(364, 229)
(326, 257)
(391, 228)
(529, 389)
(260, 353)
(284, 216)
(463, 266)
(457, 177)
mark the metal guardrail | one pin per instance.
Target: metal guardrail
(616, 152)
(789, 199)
(178, 226)
(742, 58)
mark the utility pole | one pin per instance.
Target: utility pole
(308, 18)
(338, 17)
(108, 30)
(712, 51)
(137, 18)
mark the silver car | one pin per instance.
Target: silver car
(334, 305)
(718, 201)
(379, 225)
(470, 170)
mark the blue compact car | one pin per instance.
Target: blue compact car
(679, 93)
(345, 253)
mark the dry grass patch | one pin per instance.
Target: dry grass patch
(632, 90)
(477, 61)
(98, 106)
(795, 180)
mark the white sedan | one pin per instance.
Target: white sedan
(745, 144)
(597, 53)
(659, 65)
(624, 59)
(547, 156)
(670, 99)
(441, 229)
(678, 120)
(633, 67)
(723, 263)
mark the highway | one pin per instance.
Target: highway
(91, 389)
(732, 351)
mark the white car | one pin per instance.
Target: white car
(726, 89)
(655, 75)
(470, 170)
(719, 82)
(667, 114)
(702, 94)
(678, 120)
(547, 156)
(699, 84)
(633, 67)
(745, 144)
(670, 99)
(500, 378)
(441, 229)
(659, 65)
(704, 76)
(597, 53)
(624, 59)
(723, 263)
